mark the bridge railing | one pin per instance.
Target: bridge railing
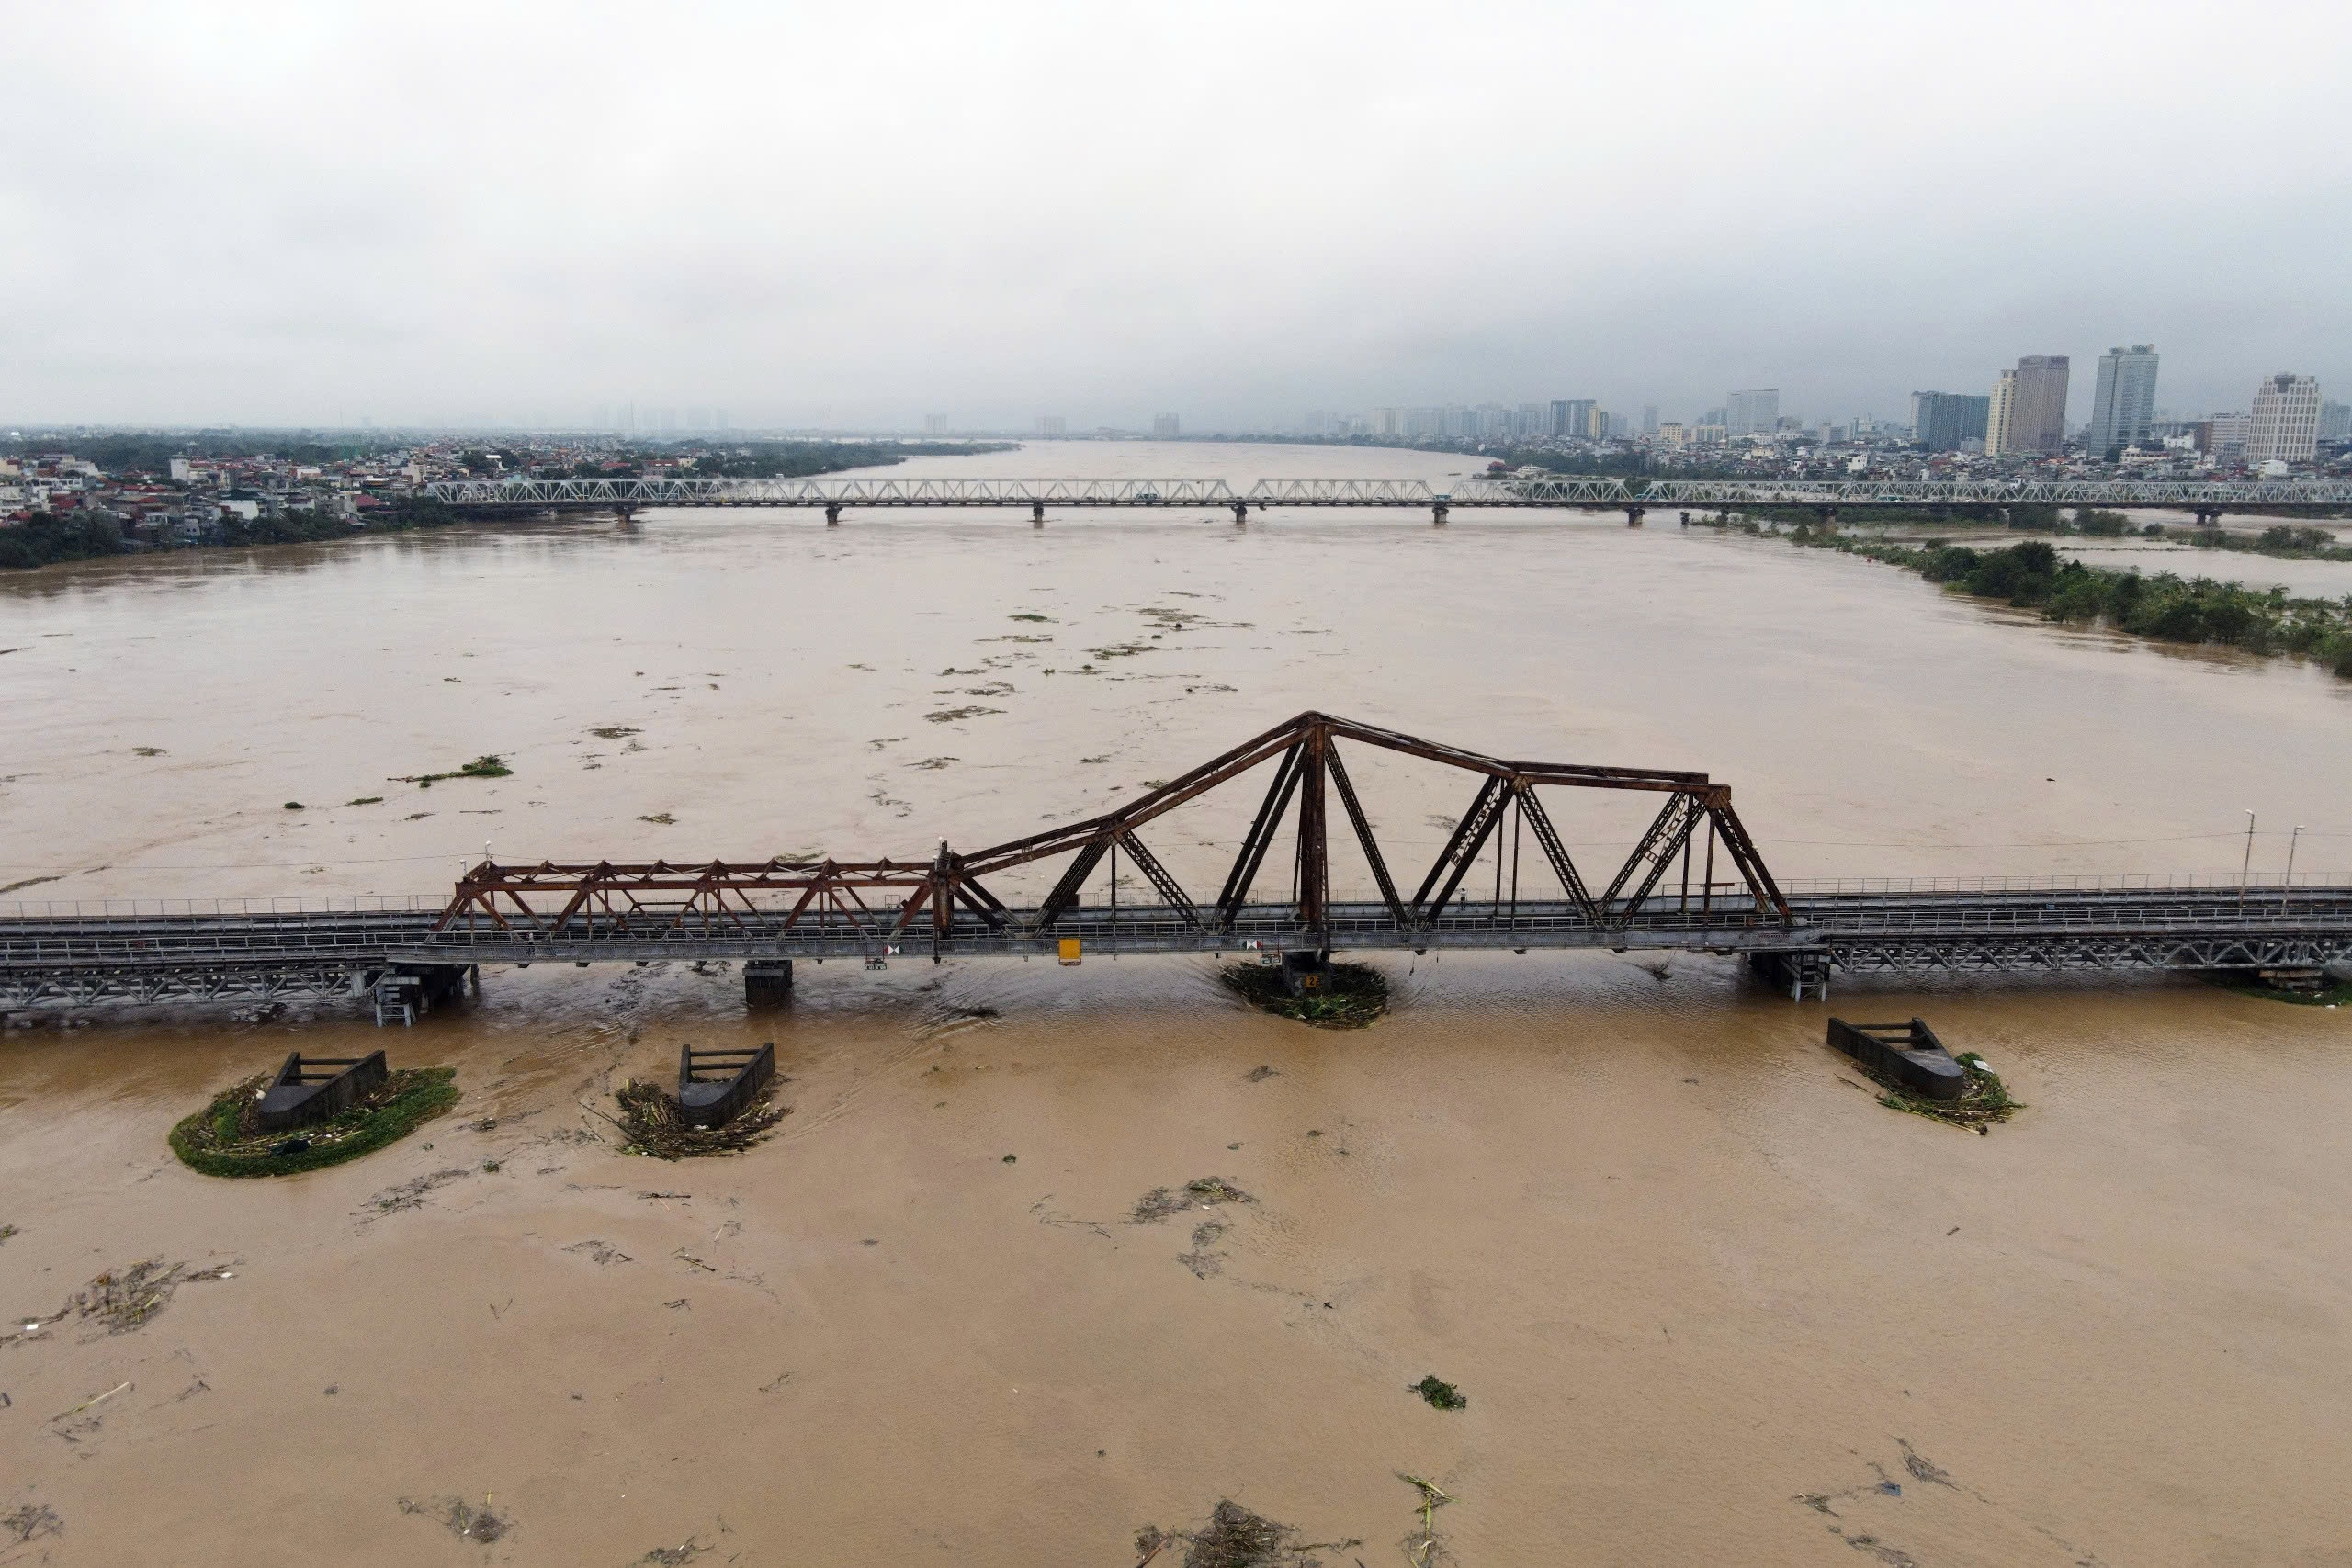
(2126, 881)
(198, 908)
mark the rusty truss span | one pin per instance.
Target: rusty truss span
(1691, 878)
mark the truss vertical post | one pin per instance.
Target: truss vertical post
(1314, 841)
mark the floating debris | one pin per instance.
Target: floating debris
(652, 1122)
(1442, 1396)
(1236, 1537)
(487, 766)
(1353, 996)
(463, 1520)
(1207, 1191)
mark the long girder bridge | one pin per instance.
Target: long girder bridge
(1509, 492)
(1503, 877)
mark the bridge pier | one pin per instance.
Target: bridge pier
(1306, 974)
(2207, 517)
(1686, 520)
(1828, 516)
(767, 982)
(1634, 516)
(1437, 515)
(1038, 514)
(1241, 515)
(408, 991)
(1804, 976)
(833, 515)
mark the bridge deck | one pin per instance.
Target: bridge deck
(66, 955)
(1498, 490)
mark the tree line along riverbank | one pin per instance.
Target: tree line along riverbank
(2159, 607)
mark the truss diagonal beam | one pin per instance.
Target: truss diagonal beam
(1260, 836)
(1170, 893)
(1531, 807)
(1373, 857)
(1468, 837)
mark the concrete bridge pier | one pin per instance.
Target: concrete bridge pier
(1804, 976)
(1828, 516)
(408, 991)
(1038, 514)
(2207, 517)
(1437, 515)
(1306, 974)
(767, 982)
(1686, 520)
(833, 516)
(1634, 516)
(1241, 515)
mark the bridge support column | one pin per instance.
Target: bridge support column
(1306, 974)
(1829, 517)
(1038, 514)
(1241, 515)
(767, 982)
(833, 516)
(628, 516)
(1804, 976)
(406, 992)
(2208, 518)
(1634, 516)
(1437, 515)
(1686, 520)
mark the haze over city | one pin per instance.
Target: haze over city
(525, 215)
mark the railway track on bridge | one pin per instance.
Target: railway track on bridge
(1693, 881)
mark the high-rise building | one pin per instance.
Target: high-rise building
(2335, 421)
(1649, 419)
(1576, 418)
(1530, 420)
(1388, 422)
(1164, 426)
(2286, 420)
(1941, 420)
(1998, 411)
(2125, 403)
(1052, 424)
(935, 425)
(1755, 413)
(2036, 411)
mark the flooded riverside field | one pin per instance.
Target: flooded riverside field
(1708, 1301)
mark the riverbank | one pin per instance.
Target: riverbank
(54, 538)
(2161, 607)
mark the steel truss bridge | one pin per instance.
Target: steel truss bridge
(1554, 491)
(1693, 881)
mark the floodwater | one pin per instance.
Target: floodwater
(1708, 1301)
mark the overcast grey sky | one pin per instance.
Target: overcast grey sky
(860, 215)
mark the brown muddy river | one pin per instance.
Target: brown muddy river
(1708, 1301)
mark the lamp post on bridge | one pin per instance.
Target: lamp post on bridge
(2246, 866)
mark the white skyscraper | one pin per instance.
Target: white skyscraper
(2286, 420)
(2126, 400)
